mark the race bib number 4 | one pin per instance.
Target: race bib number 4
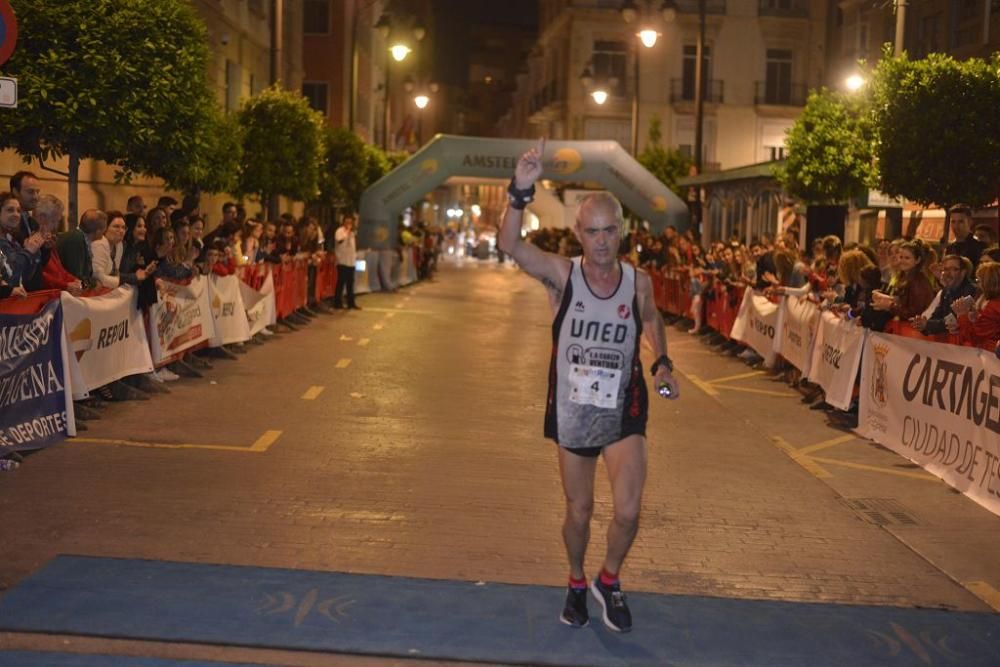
(594, 386)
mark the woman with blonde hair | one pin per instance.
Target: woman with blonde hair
(979, 320)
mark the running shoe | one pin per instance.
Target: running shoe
(616, 614)
(575, 613)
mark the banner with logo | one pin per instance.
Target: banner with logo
(756, 324)
(228, 311)
(799, 321)
(106, 338)
(260, 305)
(836, 357)
(939, 406)
(180, 320)
(36, 407)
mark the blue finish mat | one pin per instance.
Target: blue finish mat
(344, 613)
(53, 659)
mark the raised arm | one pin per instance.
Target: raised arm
(549, 268)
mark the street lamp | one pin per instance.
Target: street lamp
(421, 100)
(598, 92)
(854, 82)
(647, 37)
(399, 51)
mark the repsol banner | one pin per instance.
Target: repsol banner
(106, 339)
(180, 320)
(259, 305)
(228, 312)
(939, 406)
(836, 357)
(36, 408)
(757, 324)
(799, 320)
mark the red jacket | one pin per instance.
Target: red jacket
(985, 331)
(225, 267)
(55, 275)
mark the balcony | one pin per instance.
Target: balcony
(682, 90)
(798, 9)
(777, 94)
(691, 6)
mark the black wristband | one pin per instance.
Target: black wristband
(663, 360)
(519, 198)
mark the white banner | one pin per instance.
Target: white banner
(836, 357)
(799, 321)
(181, 319)
(228, 311)
(937, 405)
(106, 337)
(260, 308)
(756, 325)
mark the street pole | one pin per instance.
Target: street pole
(385, 110)
(353, 103)
(900, 26)
(635, 106)
(277, 35)
(699, 97)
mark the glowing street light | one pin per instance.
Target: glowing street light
(600, 96)
(399, 52)
(854, 82)
(648, 37)
(421, 101)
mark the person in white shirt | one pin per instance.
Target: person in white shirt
(108, 251)
(347, 254)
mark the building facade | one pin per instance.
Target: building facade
(760, 59)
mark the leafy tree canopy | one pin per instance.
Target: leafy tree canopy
(829, 150)
(282, 146)
(938, 128)
(667, 165)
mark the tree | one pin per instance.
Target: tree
(214, 161)
(938, 129)
(282, 147)
(667, 165)
(829, 150)
(115, 81)
(351, 166)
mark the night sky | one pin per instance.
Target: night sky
(451, 16)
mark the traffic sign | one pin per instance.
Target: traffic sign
(8, 31)
(8, 92)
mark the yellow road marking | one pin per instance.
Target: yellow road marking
(749, 390)
(985, 592)
(804, 461)
(378, 326)
(364, 342)
(885, 471)
(343, 337)
(827, 444)
(343, 363)
(390, 315)
(312, 393)
(399, 305)
(261, 445)
(701, 384)
(355, 394)
(736, 377)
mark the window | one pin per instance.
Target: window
(316, 17)
(778, 83)
(929, 39)
(317, 93)
(610, 63)
(690, 62)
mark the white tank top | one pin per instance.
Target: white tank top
(597, 394)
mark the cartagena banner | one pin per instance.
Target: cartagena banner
(260, 305)
(836, 358)
(180, 320)
(756, 325)
(228, 312)
(106, 338)
(939, 406)
(799, 320)
(36, 408)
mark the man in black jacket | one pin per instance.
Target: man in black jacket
(965, 244)
(955, 283)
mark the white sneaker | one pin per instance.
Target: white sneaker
(168, 375)
(266, 332)
(154, 377)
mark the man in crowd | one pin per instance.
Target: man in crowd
(965, 244)
(955, 284)
(597, 401)
(26, 187)
(53, 275)
(347, 255)
(74, 246)
(136, 206)
(168, 204)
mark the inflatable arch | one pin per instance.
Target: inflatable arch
(603, 162)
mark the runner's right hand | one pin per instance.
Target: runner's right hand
(529, 167)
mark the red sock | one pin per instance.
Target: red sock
(577, 583)
(607, 578)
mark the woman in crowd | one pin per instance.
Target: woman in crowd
(155, 218)
(287, 244)
(21, 260)
(861, 278)
(251, 250)
(114, 261)
(197, 233)
(979, 319)
(167, 268)
(309, 245)
(184, 250)
(912, 292)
